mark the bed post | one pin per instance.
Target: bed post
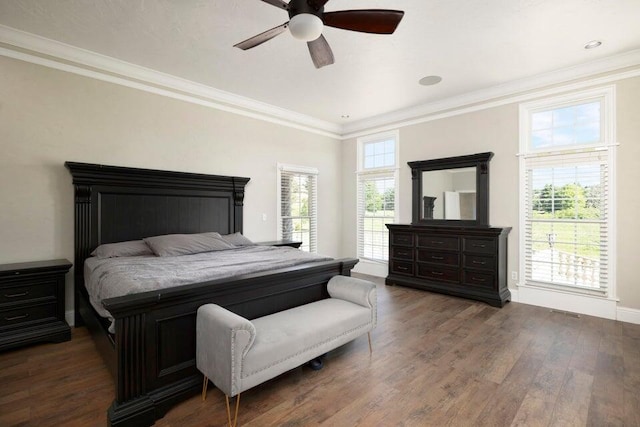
(82, 244)
(238, 202)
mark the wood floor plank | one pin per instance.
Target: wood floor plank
(437, 361)
(572, 407)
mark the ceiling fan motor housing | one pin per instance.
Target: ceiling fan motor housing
(297, 7)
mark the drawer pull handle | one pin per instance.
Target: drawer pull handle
(23, 316)
(403, 253)
(478, 279)
(403, 268)
(437, 273)
(437, 257)
(479, 262)
(433, 242)
(16, 295)
(479, 245)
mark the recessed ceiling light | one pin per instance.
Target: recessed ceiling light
(430, 80)
(592, 44)
(345, 116)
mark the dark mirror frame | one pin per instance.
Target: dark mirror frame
(480, 161)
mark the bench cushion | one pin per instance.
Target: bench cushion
(288, 339)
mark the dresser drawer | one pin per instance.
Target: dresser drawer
(401, 267)
(401, 252)
(442, 258)
(483, 280)
(26, 292)
(21, 317)
(438, 273)
(402, 239)
(438, 242)
(482, 262)
(485, 246)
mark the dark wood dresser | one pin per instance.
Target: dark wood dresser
(468, 262)
(32, 303)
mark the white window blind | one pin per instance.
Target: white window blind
(377, 179)
(376, 207)
(566, 220)
(567, 185)
(298, 215)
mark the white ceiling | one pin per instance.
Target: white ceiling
(473, 44)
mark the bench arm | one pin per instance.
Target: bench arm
(357, 291)
(223, 338)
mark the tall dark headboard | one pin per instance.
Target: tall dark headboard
(114, 204)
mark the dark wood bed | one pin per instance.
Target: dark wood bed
(152, 352)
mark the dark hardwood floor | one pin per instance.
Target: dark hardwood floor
(437, 361)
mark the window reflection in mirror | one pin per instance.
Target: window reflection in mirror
(449, 194)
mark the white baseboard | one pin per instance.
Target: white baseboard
(573, 303)
(629, 315)
(378, 269)
(592, 306)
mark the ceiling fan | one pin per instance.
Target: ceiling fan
(307, 19)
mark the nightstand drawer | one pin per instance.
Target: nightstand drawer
(26, 292)
(21, 317)
(32, 303)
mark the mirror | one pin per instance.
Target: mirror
(451, 191)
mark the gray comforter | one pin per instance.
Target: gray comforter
(113, 277)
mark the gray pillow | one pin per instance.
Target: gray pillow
(186, 244)
(237, 239)
(129, 248)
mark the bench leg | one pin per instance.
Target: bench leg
(235, 418)
(370, 349)
(316, 364)
(204, 388)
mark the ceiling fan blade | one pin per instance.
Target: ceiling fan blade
(262, 37)
(375, 21)
(278, 3)
(320, 51)
(317, 4)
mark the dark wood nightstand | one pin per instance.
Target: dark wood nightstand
(291, 243)
(32, 303)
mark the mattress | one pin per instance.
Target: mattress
(113, 277)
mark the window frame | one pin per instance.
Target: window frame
(375, 173)
(606, 96)
(313, 219)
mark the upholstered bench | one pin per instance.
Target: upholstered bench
(237, 354)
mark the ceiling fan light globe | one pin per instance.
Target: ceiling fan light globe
(305, 26)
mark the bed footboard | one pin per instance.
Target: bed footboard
(155, 332)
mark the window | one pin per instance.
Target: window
(297, 213)
(567, 183)
(377, 177)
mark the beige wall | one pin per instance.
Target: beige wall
(496, 129)
(48, 117)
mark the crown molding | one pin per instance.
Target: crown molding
(53, 54)
(515, 91)
(50, 53)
